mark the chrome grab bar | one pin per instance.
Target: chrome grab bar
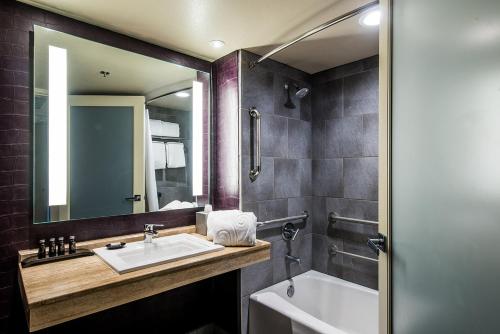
(333, 250)
(333, 217)
(267, 223)
(257, 168)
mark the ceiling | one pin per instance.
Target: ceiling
(129, 73)
(256, 25)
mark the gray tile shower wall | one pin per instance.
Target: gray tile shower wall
(345, 167)
(284, 185)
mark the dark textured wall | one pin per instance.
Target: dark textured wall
(345, 167)
(16, 27)
(284, 185)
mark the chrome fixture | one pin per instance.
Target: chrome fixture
(256, 168)
(333, 218)
(319, 28)
(333, 251)
(269, 223)
(289, 231)
(292, 258)
(378, 244)
(300, 93)
(150, 232)
(290, 291)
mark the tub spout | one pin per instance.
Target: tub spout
(292, 258)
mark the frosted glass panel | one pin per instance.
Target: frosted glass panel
(446, 166)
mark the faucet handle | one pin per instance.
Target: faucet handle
(289, 231)
(151, 227)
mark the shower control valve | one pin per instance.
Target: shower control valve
(289, 231)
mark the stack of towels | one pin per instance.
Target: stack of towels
(169, 155)
(232, 228)
(164, 129)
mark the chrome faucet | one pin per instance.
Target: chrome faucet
(150, 232)
(292, 258)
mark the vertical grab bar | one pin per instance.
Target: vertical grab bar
(256, 169)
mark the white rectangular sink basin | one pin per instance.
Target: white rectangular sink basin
(138, 255)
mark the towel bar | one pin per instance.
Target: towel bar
(333, 250)
(333, 217)
(257, 168)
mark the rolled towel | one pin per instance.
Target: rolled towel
(238, 231)
(175, 205)
(216, 217)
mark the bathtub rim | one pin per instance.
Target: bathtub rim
(271, 299)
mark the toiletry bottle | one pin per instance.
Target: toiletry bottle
(72, 244)
(60, 246)
(42, 251)
(52, 247)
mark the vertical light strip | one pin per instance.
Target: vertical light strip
(58, 164)
(197, 138)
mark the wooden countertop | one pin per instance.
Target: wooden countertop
(61, 291)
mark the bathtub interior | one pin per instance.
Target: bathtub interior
(325, 302)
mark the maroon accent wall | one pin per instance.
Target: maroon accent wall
(16, 28)
(225, 113)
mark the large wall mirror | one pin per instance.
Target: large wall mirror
(115, 132)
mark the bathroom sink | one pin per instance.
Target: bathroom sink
(139, 255)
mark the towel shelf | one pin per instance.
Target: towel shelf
(333, 217)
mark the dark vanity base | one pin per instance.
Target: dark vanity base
(210, 304)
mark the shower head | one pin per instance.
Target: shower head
(300, 93)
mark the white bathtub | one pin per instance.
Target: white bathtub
(320, 304)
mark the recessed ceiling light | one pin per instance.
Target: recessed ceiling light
(217, 43)
(371, 18)
(182, 94)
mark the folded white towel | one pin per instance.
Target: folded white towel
(164, 129)
(170, 129)
(156, 127)
(175, 155)
(232, 228)
(174, 205)
(159, 155)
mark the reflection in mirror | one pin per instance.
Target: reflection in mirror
(115, 132)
